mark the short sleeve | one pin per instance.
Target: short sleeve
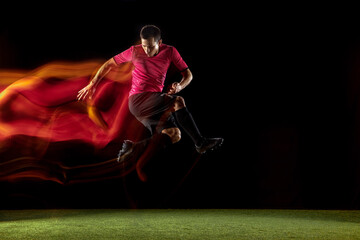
(125, 56)
(178, 61)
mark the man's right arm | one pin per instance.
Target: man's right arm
(104, 69)
(101, 73)
(125, 56)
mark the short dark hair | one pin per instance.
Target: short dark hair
(149, 31)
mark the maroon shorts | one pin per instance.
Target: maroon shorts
(152, 109)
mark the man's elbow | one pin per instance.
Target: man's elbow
(188, 75)
(110, 63)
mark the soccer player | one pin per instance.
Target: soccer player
(155, 109)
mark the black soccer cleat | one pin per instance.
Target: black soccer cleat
(209, 144)
(126, 151)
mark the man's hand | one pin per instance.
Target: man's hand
(86, 91)
(174, 88)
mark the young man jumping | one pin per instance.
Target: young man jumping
(156, 110)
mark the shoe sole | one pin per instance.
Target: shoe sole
(212, 148)
(125, 155)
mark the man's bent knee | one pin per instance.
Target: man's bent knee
(173, 133)
(179, 103)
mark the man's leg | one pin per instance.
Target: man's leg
(154, 111)
(186, 121)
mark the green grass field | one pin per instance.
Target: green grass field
(179, 224)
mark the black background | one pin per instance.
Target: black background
(278, 82)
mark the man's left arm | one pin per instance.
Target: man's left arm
(185, 81)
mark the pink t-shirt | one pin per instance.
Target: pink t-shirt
(150, 72)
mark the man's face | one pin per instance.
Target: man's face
(150, 46)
